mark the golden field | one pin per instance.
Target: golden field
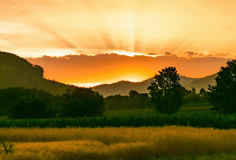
(116, 143)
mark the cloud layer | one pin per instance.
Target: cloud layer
(108, 68)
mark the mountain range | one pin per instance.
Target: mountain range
(16, 71)
(124, 87)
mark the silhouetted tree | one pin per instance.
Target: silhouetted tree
(222, 95)
(81, 102)
(202, 91)
(133, 93)
(39, 71)
(116, 102)
(137, 100)
(166, 91)
(194, 91)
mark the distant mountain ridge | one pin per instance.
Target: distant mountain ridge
(18, 72)
(203, 82)
(123, 87)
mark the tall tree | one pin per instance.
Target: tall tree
(166, 91)
(222, 95)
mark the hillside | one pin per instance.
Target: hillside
(16, 72)
(123, 87)
(203, 82)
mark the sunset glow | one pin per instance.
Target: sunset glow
(85, 85)
(58, 28)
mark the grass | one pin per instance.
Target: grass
(151, 143)
(169, 142)
(2, 117)
(152, 112)
(215, 156)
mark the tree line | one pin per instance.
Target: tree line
(23, 103)
(20, 102)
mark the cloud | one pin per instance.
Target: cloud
(191, 54)
(151, 54)
(108, 68)
(167, 53)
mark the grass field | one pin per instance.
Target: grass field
(151, 143)
(152, 112)
(119, 143)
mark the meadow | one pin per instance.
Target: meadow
(119, 143)
(151, 112)
(123, 134)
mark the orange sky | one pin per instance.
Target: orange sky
(203, 28)
(108, 68)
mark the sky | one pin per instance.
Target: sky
(47, 31)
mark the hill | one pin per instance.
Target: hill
(123, 87)
(16, 72)
(202, 82)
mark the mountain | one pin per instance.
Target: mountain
(202, 82)
(16, 72)
(124, 87)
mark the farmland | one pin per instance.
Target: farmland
(189, 116)
(118, 143)
(192, 133)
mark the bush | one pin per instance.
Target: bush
(81, 102)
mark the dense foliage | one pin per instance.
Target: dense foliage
(26, 103)
(165, 91)
(81, 102)
(20, 102)
(135, 100)
(197, 120)
(192, 98)
(222, 95)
